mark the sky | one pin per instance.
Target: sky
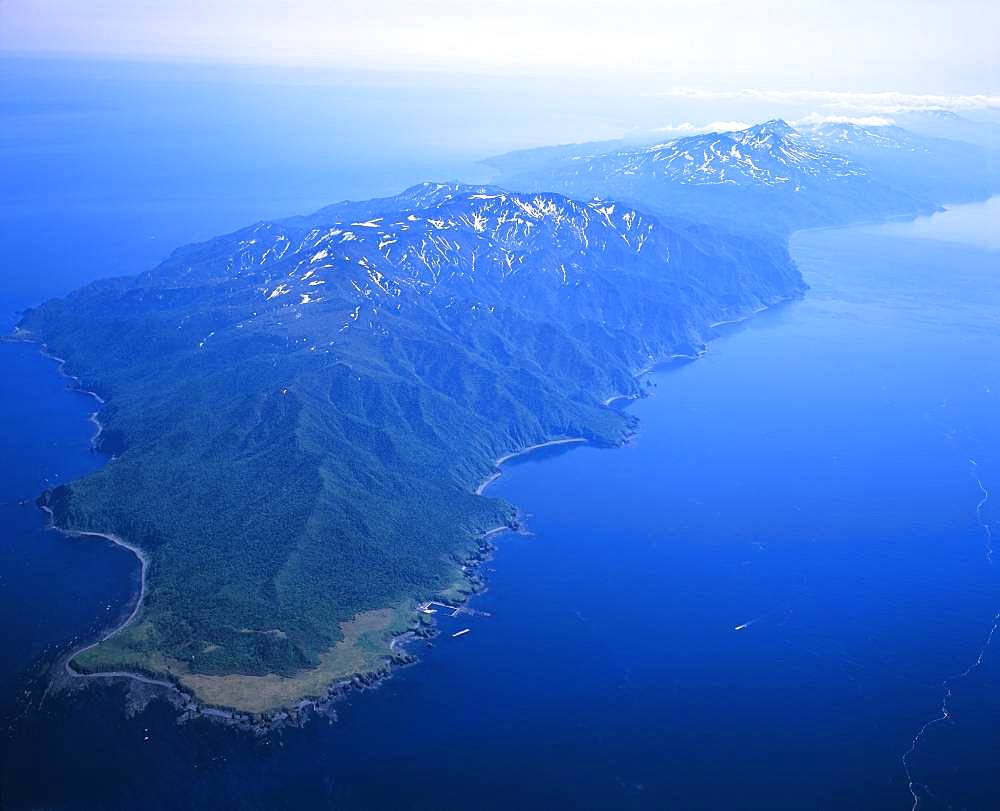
(910, 46)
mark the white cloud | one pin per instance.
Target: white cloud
(861, 121)
(871, 103)
(687, 128)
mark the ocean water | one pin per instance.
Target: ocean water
(755, 605)
(107, 167)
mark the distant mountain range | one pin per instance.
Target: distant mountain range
(931, 168)
(771, 176)
(300, 411)
(950, 125)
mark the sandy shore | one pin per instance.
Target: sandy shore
(652, 368)
(740, 320)
(507, 457)
(143, 569)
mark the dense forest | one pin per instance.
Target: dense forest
(299, 412)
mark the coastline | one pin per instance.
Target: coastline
(77, 386)
(398, 655)
(496, 474)
(189, 704)
(740, 320)
(24, 337)
(652, 367)
(143, 559)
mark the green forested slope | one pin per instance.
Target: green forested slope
(299, 412)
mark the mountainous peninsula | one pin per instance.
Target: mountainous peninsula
(769, 177)
(299, 413)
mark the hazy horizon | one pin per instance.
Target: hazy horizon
(469, 81)
(913, 47)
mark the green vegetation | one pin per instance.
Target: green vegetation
(362, 648)
(300, 471)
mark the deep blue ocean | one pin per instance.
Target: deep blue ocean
(755, 605)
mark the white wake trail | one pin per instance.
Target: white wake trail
(945, 715)
(917, 790)
(987, 530)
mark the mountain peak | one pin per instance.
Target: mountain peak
(776, 125)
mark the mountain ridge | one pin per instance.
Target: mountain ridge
(301, 410)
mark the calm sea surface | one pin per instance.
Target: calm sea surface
(754, 606)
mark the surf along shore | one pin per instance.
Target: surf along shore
(264, 702)
(196, 699)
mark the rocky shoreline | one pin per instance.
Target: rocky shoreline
(142, 688)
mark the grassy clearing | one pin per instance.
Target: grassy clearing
(363, 648)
